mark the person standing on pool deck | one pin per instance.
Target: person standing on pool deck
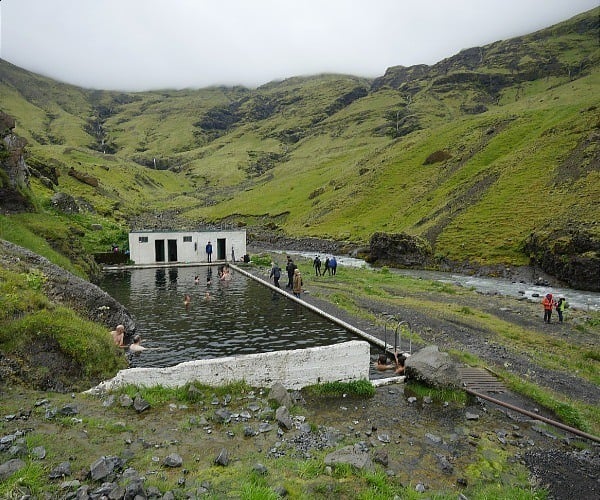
(290, 267)
(297, 285)
(275, 274)
(209, 251)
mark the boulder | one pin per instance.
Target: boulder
(280, 394)
(65, 203)
(433, 368)
(355, 456)
(400, 250)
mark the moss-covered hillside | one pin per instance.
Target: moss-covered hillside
(491, 155)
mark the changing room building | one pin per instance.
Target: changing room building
(164, 247)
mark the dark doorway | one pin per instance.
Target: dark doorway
(221, 248)
(172, 244)
(159, 250)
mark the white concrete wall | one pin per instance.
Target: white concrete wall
(294, 369)
(194, 251)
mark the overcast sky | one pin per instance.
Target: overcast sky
(152, 44)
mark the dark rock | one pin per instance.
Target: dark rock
(39, 452)
(8, 468)
(18, 450)
(62, 470)
(135, 489)
(260, 469)
(445, 465)
(222, 416)
(572, 255)
(173, 460)
(222, 458)
(400, 250)
(104, 489)
(280, 394)
(381, 457)
(105, 466)
(70, 485)
(140, 404)
(13, 197)
(69, 409)
(265, 427)
(352, 455)
(125, 401)
(282, 415)
(249, 431)
(117, 493)
(280, 491)
(64, 203)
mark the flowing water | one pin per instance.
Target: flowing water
(580, 299)
(240, 317)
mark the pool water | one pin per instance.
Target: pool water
(240, 317)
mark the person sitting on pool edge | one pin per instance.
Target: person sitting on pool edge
(118, 336)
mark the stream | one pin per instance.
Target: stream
(578, 299)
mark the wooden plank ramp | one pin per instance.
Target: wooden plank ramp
(480, 380)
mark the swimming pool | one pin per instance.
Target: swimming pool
(240, 317)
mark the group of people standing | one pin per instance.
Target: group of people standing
(330, 266)
(294, 275)
(548, 303)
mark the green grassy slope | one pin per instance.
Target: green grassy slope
(515, 125)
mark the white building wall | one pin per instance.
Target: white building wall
(294, 369)
(190, 246)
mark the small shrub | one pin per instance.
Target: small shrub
(261, 260)
(437, 157)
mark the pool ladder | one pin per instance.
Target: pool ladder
(397, 336)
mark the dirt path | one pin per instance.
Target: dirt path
(452, 334)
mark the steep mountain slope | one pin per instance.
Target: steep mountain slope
(491, 155)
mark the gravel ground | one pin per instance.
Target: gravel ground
(566, 472)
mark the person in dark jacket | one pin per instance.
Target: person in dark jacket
(209, 251)
(317, 265)
(275, 274)
(290, 268)
(327, 267)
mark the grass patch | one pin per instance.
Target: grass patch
(359, 388)
(31, 480)
(578, 415)
(437, 395)
(190, 393)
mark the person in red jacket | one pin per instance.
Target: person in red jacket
(548, 304)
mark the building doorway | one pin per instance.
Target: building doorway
(172, 246)
(159, 250)
(221, 249)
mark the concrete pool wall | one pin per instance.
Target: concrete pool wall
(294, 369)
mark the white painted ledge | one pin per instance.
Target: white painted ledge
(294, 369)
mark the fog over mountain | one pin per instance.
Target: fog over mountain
(149, 44)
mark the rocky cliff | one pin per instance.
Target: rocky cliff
(14, 173)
